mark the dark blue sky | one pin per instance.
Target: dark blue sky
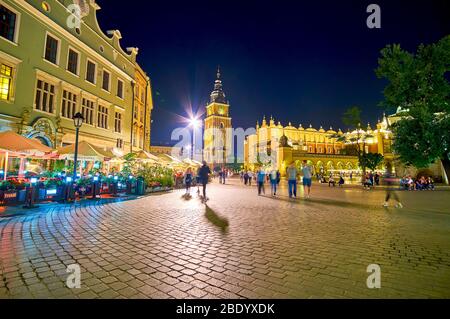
(300, 61)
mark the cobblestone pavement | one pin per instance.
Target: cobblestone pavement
(238, 246)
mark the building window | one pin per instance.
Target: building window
(72, 64)
(69, 104)
(106, 80)
(135, 132)
(6, 76)
(45, 97)
(87, 109)
(142, 119)
(141, 138)
(119, 143)
(91, 72)
(102, 117)
(7, 23)
(51, 49)
(118, 122)
(120, 88)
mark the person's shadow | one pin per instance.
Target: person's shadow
(216, 220)
(187, 197)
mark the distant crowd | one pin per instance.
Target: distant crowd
(420, 184)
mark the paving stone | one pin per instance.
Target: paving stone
(165, 247)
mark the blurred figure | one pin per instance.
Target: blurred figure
(204, 173)
(292, 180)
(261, 178)
(390, 180)
(273, 177)
(188, 177)
(307, 178)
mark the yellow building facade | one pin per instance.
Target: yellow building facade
(277, 146)
(142, 110)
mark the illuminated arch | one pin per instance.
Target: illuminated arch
(330, 166)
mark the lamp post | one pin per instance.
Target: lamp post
(195, 123)
(78, 122)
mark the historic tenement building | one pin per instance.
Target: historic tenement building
(278, 146)
(53, 67)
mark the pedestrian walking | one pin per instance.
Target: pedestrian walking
(188, 177)
(292, 180)
(204, 173)
(224, 176)
(246, 178)
(261, 178)
(391, 192)
(273, 177)
(307, 172)
(250, 178)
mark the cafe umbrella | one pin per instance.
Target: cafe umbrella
(16, 145)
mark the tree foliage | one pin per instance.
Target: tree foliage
(355, 143)
(371, 160)
(352, 117)
(417, 80)
(418, 83)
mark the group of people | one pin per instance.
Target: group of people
(420, 184)
(223, 175)
(274, 178)
(201, 178)
(247, 177)
(371, 180)
(332, 181)
(306, 172)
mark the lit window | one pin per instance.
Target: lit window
(46, 7)
(5, 82)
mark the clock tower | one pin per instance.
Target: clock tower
(218, 130)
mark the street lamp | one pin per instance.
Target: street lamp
(78, 122)
(195, 123)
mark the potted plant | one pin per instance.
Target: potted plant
(54, 188)
(83, 186)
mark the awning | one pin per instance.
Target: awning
(86, 152)
(18, 145)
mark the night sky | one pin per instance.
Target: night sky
(300, 61)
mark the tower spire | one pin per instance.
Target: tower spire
(218, 96)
